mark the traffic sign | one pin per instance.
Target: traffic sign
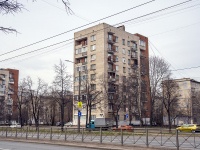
(126, 116)
(79, 113)
(80, 104)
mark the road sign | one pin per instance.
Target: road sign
(79, 113)
(80, 104)
(126, 116)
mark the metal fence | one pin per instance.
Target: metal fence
(141, 137)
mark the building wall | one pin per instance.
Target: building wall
(102, 42)
(8, 87)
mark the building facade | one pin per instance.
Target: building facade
(111, 52)
(189, 101)
(8, 88)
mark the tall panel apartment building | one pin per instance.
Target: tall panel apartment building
(113, 52)
(8, 84)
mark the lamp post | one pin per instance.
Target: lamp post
(79, 99)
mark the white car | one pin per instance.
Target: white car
(68, 124)
(15, 126)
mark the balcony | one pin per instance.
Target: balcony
(134, 66)
(133, 48)
(10, 92)
(11, 81)
(111, 51)
(111, 90)
(81, 55)
(9, 102)
(111, 70)
(134, 56)
(111, 41)
(142, 55)
(111, 79)
(2, 93)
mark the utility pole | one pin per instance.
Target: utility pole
(79, 100)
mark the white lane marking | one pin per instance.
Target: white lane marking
(4, 149)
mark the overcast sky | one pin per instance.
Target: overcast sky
(173, 33)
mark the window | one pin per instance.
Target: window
(124, 69)
(93, 76)
(116, 48)
(117, 77)
(129, 70)
(93, 38)
(109, 46)
(93, 117)
(93, 86)
(78, 51)
(117, 68)
(128, 43)
(93, 66)
(93, 57)
(109, 37)
(93, 106)
(75, 88)
(124, 60)
(129, 52)
(84, 68)
(93, 47)
(84, 77)
(116, 58)
(83, 97)
(75, 97)
(110, 106)
(129, 61)
(142, 43)
(123, 51)
(123, 41)
(116, 39)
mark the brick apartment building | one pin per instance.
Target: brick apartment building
(108, 50)
(8, 87)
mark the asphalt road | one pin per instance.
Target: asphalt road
(10, 145)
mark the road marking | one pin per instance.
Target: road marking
(4, 149)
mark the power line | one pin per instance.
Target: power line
(96, 31)
(79, 27)
(186, 68)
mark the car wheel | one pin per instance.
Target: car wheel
(193, 131)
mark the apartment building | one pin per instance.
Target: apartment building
(189, 101)
(8, 87)
(111, 52)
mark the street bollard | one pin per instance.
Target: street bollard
(161, 144)
(101, 135)
(147, 137)
(122, 142)
(38, 133)
(26, 132)
(16, 133)
(51, 134)
(65, 134)
(82, 134)
(177, 141)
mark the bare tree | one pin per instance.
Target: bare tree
(62, 86)
(12, 6)
(195, 107)
(170, 98)
(90, 95)
(115, 95)
(21, 99)
(159, 69)
(36, 98)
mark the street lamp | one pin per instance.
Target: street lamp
(79, 100)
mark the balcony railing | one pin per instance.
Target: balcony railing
(111, 70)
(111, 51)
(134, 56)
(111, 79)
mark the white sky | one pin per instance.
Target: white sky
(174, 33)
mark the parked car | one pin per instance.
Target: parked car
(188, 128)
(58, 123)
(123, 127)
(68, 124)
(15, 126)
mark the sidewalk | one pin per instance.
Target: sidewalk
(86, 145)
